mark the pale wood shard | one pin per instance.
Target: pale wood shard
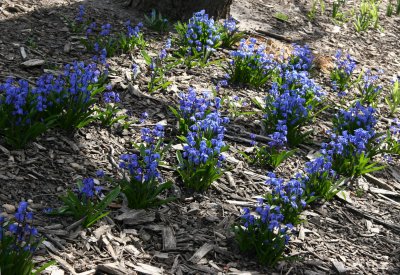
(383, 191)
(23, 53)
(148, 269)
(378, 182)
(230, 179)
(64, 264)
(101, 231)
(201, 252)
(135, 217)
(113, 269)
(33, 63)
(339, 267)
(169, 240)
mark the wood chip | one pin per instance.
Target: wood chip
(33, 63)
(135, 217)
(383, 191)
(169, 240)
(63, 263)
(113, 269)
(339, 267)
(378, 182)
(148, 269)
(201, 252)
(23, 52)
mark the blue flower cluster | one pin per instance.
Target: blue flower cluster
(133, 31)
(263, 233)
(318, 166)
(202, 34)
(271, 216)
(351, 153)
(348, 144)
(301, 58)
(251, 64)
(103, 41)
(200, 161)
(290, 104)
(65, 98)
(88, 189)
(356, 117)
(320, 179)
(393, 138)
(346, 64)
(205, 139)
(342, 72)
(144, 167)
(198, 153)
(370, 87)
(81, 14)
(18, 234)
(230, 25)
(193, 107)
(211, 126)
(288, 196)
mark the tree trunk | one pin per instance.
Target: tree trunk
(184, 9)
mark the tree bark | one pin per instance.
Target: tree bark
(184, 9)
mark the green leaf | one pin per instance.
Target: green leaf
(146, 57)
(43, 267)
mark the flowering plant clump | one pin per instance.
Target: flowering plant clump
(393, 98)
(109, 114)
(274, 153)
(193, 108)
(250, 64)
(22, 113)
(99, 38)
(356, 117)
(288, 197)
(263, 233)
(320, 181)
(156, 22)
(64, 101)
(18, 242)
(351, 154)
(158, 67)
(201, 159)
(291, 103)
(392, 138)
(237, 106)
(369, 87)
(200, 37)
(132, 38)
(102, 38)
(144, 184)
(78, 24)
(301, 59)
(342, 73)
(71, 95)
(84, 202)
(230, 34)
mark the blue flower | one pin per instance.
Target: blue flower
(111, 97)
(301, 58)
(100, 173)
(105, 29)
(81, 13)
